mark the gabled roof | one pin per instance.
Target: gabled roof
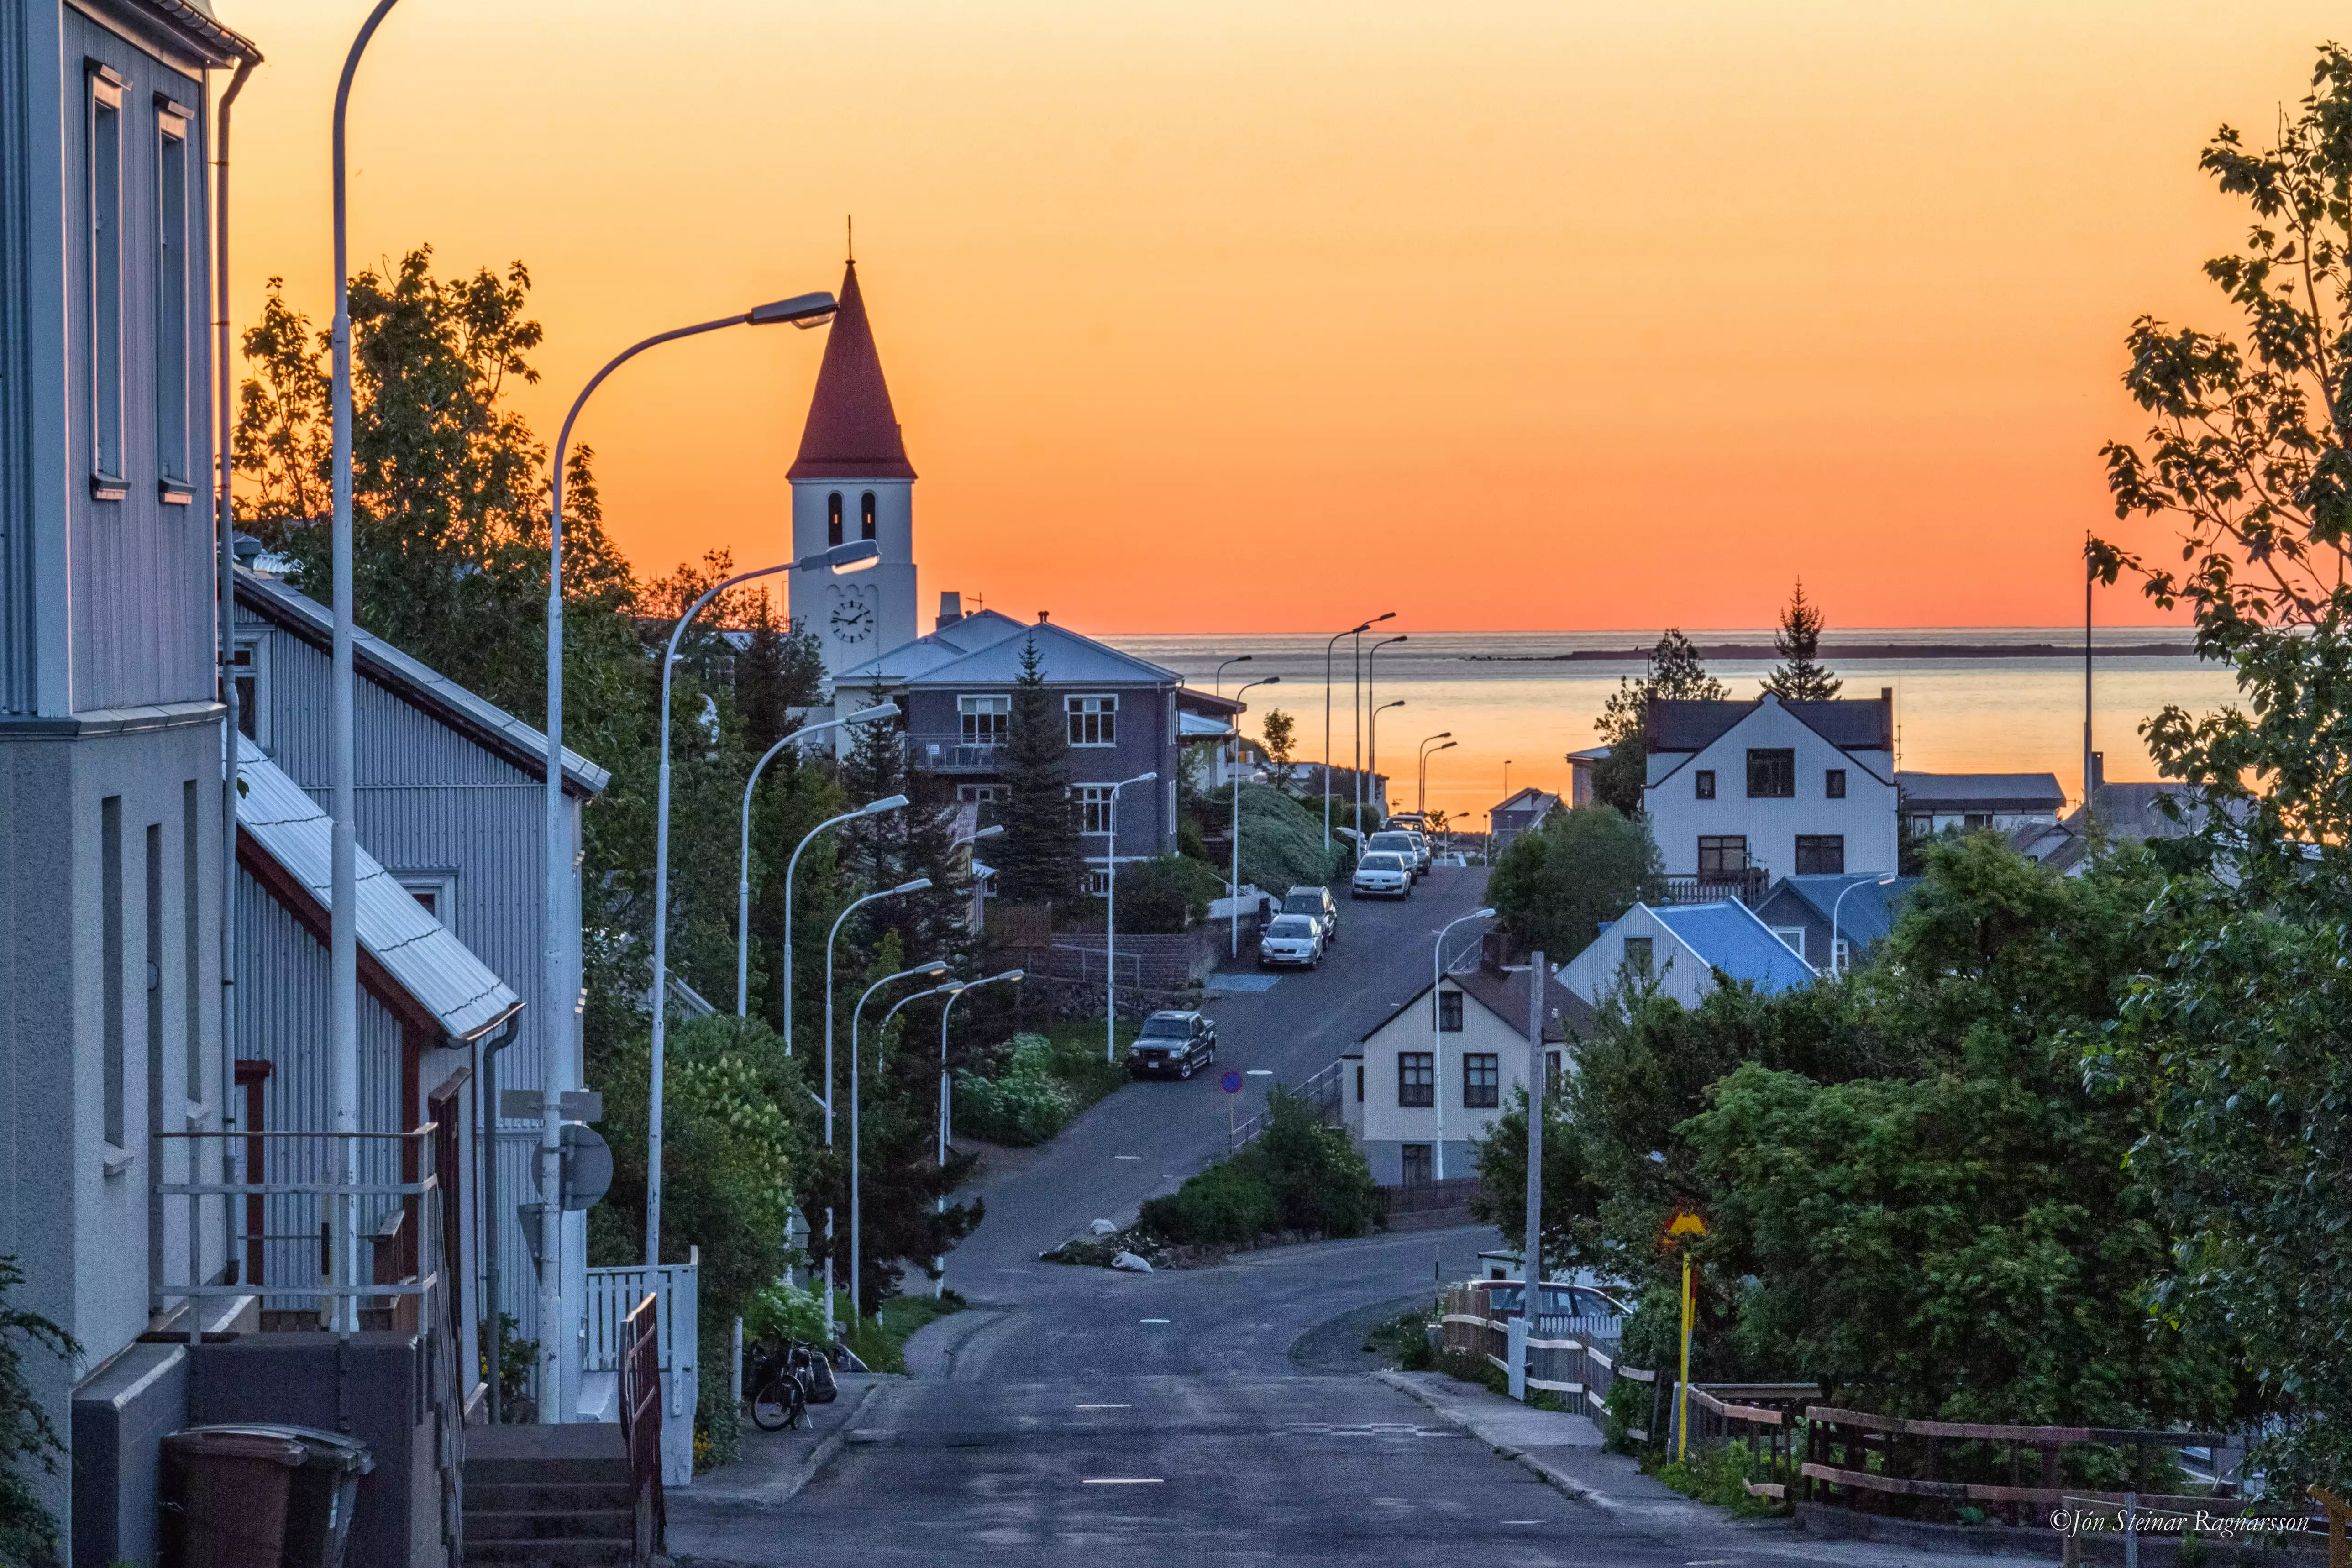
(431, 969)
(196, 19)
(1850, 724)
(1869, 910)
(416, 683)
(1728, 936)
(1567, 1016)
(1982, 791)
(852, 430)
(1069, 660)
(1529, 799)
(981, 629)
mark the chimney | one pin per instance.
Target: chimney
(1887, 701)
(1044, 616)
(950, 609)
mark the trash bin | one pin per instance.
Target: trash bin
(260, 1496)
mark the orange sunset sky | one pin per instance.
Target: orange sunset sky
(1241, 316)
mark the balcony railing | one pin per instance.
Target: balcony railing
(1713, 887)
(952, 753)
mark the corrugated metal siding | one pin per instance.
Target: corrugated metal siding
(142, 577)
(17, 647)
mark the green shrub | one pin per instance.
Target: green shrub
(1298, 1176)
(1026, 1104)
(1718, 1474)
(1229, 1202)
(1282, 840)
(1165, 895)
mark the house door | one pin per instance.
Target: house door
(1416, 1165)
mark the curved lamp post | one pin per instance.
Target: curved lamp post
(857, 1070)
(1838, 905)
(940, 1204)
(1328, 652)
(1421, 791)
(1233, 888)
(917, 885)
(1372, 734)
(1236, 659)
(743, 854)
(1371, 737)
(1110, 916)
(1356, 711)
(1437, 1040)
(871, 808)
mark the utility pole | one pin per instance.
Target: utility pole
(1539, 976)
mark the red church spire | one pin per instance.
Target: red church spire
(852, 430)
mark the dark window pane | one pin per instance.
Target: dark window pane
(1772, 774)
(1823, 855)
(833, 518)
(1723, 855)
(1834, 786)
(1707, 783)
(1416, 1077)
(865, 515)
(1481, 1081)
(1449, 1011)
(1638, 953)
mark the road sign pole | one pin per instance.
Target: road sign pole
(1682, 1389)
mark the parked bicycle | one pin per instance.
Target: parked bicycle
(786, 1376)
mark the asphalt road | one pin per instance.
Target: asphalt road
(1149, 1136)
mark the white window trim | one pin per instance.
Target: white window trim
(1104, 705)
(256, 648)
(441, 884)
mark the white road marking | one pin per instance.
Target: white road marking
(1126, 1156)
(1105, 1406)
(1151, 1320)
(1123, 1480)
(1523, 1522)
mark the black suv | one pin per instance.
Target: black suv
(1177, 1043)
(1309, 899)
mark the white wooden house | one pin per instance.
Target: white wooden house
(1740, 792)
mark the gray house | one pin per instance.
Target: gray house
(1124, 717)
(110, 745)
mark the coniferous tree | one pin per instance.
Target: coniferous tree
(1040, 857)
(899, 846)
(1799, 677)
(1675, 672)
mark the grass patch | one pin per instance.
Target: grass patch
(1077, 1059)
(881, 1341)
(1718, 1475)
(1405, 1340)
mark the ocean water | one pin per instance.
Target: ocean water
(1514, 710)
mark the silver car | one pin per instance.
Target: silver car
(1398, 843)
(1296, 940)
(1382, 874)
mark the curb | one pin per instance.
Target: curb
(1558, 1481)
(788, 1486)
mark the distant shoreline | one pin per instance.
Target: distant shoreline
(1867, 650)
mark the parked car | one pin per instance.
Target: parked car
(1396, 843)
(1172, 1044)
(1383, 874)
(1311, 900)
(1293, 939)
(1420, 847)
(1508, 1298)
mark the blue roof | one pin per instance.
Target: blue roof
(1730, 938)
(1869, 911)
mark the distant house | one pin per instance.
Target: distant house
(1466, 1043)
(1582, 768)
(1971, 803)
(1740, 792)
(1683, 948)
(1125, 718)
(1307, 783)
(1521, 812)
(1802, 911)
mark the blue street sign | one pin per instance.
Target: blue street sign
(1231, 1082)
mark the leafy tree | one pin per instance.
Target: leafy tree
(27, 1533)
(1039, 857)
(1554, 886)
(1675, 672)
(1166, 894)
(1281, 735)
(1799, 676)
(2234, 1050)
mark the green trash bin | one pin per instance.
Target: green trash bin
(259, 1495)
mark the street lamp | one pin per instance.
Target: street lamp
(1236, 659)
(1328, 650)
(935, 967)
(871, 808)
(917, 885)
(1371, 748)
(558, 1001)
(1356, 710)
(992, 832)
(1233, 889)
(1372, 736)
(1420, 792)
(940, 1204)
(743, 858)
(1839, 904)
(1437, 1040)
(1109, 830)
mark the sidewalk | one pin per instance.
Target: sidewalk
(774, 1465)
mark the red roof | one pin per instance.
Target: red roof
(852, 430)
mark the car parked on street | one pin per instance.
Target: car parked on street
(1508, 1299)
(1317, 901)
(1172, 1044)
(1382, 874)
(1293, 940)
(1396, 843)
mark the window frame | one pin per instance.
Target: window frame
(1814, 850)
(1702, 784)
(1449, 1012)
(442, 885)
(975, 706)
(1482, 1081)
(1833, 784)
(1792, 937)
(1092, 717)
(103, 232)
(1644, 962)
(1096, 801)
(832, 515)
(1716, 844)
(174, 278)
(866, 513)
(1415, 1093)
(250, 668)
(1775, 767)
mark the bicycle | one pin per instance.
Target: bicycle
(780, 1396)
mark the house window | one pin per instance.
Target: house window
(1097, 808)
(1639, 954)
(435, 893)
(985, 719)
(250, 668)
(1359, 1083)
(172, 300)
(112, 963)
(979, 794)
(1705, 778)
(1842, 953)
(1551, 1070)
(1097, 880)
(1416, 1077)
(1482, 1081)
(833, 518)
(1093, 720)
(1793, 936)
(1833, 783)
(104, 134)
(1416, 1165)
(1974, 821)
(1821, 855)
(1723, 855)
(1449, 1011)
(865, 515)
(1771, 773)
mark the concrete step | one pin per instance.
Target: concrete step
(538, 1496)
(578, 1553)
(601, 1470)
(593, 1524)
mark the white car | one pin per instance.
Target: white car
(1400, 843)
(1382, 874)
(1294, 939)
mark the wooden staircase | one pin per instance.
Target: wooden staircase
(552, 1496)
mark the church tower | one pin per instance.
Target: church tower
(851, 481)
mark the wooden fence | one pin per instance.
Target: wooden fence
(641, 1422)
(1576, 1358)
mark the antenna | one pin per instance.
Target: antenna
(850, 224)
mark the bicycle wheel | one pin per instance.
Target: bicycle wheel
(774, 1407)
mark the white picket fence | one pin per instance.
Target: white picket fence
(612, 1294)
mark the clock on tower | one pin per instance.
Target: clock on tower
(851, 481)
